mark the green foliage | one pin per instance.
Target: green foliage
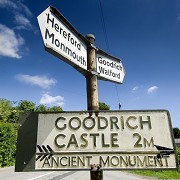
(14, 116)
(168, 174)
(9, 115)
(5, 110)
(27, 106)
(8, 139)
(41, 108)
(103, 106)
(178, 154)
(178, 150)
(54, 108)
(176, 132)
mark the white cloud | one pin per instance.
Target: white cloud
(50, 100)
(41, 81)
(20, 12)
(25, 9)
(23, 22)
(9, 45)
(135, 88)
(15, 6)
(9, 42)
(152, 89)
(8, 4)
(178, 18)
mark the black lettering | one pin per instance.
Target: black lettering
(50, 20)
(48, 35)
(46, 162)
(114, 140)
(103, 142)
(92, 125)
(128, 124)
(65, 34)
(104, 163)
(63, 162)
(113, 122)
(84, 140)
(56, 140)
(72, 141)
(148, 122)
(57, 43)
(56, 27)
(100, 119)
(114, 160)
(57, 123)
(137, 144)
(76, 119)
(95, 135)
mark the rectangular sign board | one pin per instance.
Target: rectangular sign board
(114, 139)
(109, 68)
(62, 40)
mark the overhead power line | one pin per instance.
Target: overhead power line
(107, 42)
(103, 26)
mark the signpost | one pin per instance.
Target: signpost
(114, 139)
(62, 40)
(91, 139)
(65, 42)
(109, 67)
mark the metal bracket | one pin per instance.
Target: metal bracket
(96, 167)
(94, 73)
(93, 46)
(91, 72)
(96, 172)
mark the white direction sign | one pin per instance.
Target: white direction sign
(114, 139)
(109, 67)
(62, 40)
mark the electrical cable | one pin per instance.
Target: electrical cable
(103, 26)
(107, 43)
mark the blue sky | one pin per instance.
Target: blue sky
(144, 34)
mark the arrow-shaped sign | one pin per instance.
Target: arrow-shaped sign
(164, 151)
(62, 39)
(65, 42)
(44, 152)
(109, 68)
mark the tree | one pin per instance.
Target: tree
(41, 108)
(103, 106)
(14, 116)
(5, 110)
(8, 141)
(176, 132)
(54, 108)
(27, 106)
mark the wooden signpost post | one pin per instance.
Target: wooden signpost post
(93, 140)
(96, 172)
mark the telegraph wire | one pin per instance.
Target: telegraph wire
(119, 105)
(107, 42)
(103, 25)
